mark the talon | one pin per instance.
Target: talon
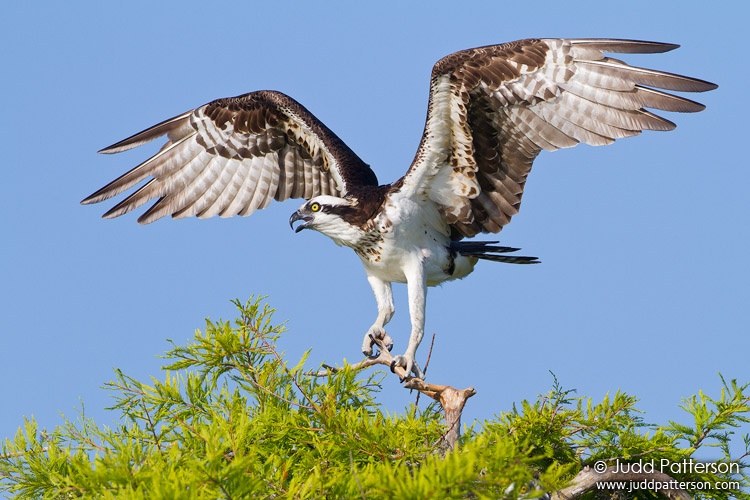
(409, 364)
(388, 341)
(401, 362)
(367, 345)
(404, 362)
(371, 338)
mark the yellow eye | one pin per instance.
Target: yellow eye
(315, 207)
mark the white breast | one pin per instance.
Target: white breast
(413, 233)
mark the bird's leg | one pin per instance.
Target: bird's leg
(416, 284)
(384, 298)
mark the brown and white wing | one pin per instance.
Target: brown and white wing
(233, 156)
(493, 109)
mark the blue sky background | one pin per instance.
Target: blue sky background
(645, 278)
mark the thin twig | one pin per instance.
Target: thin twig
(151, 425)
(312, 406)
(426, 364)
(354, 473)
(23, 453)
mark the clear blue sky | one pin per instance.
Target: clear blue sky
(645, 277)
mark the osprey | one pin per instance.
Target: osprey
(491, 111)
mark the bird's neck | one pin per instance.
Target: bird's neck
(344, 234)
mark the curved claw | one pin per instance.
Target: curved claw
(394, 364)
(409, 364)
(370, 341)
(388, 341)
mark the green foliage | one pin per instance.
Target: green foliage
(232, 419)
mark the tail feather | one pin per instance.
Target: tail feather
(487, 250)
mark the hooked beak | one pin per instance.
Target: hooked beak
(298, 216)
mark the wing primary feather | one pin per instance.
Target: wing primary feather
(599, 118)
(653, 78)
(151, 215)
(147, 135)
(131, 202)
(173, 189)
(159, 186)
(652, 98)
(639, 97)
(137, 174)
(624, 46)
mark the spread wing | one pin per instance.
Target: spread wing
(493, 109)
(233, 156)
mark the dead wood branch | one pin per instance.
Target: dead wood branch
(452, 400)
(587, 480)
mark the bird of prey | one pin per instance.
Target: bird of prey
(491, 111)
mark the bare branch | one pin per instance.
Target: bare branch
(587, 480)
(452, 400)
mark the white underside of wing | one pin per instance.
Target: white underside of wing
(490, 114)
(444, 135)
(234, 156)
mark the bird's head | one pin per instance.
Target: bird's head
(329, 215)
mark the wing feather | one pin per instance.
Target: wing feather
(241, 202)
(526, 123)
(169, 126)
(260, 184)
(493, 109)
(308, 179)
(171, 153)
(286, 175)
(234, 156)
(619, 71)
(225, 192)
(639, 97)
(200, 192)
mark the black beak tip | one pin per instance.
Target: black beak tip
(298, 216)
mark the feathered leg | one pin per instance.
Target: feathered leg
(416, 284)
(384, 298)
